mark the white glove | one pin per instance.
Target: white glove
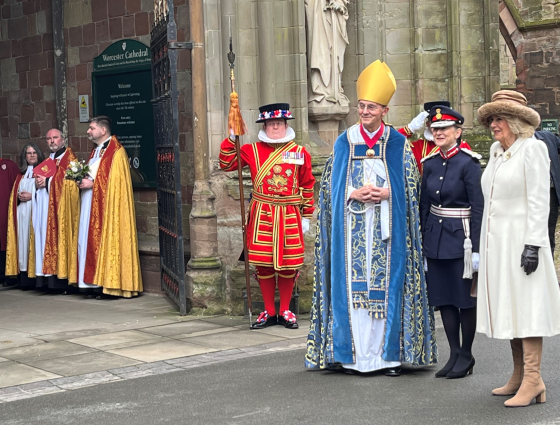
(305, 225)
(418, 122)
(475, 261)
(425, 265)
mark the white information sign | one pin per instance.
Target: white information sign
(84, 107)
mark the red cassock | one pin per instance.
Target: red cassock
(421, 148)
(282, 195)
(9, 171)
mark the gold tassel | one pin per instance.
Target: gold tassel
(236, 125)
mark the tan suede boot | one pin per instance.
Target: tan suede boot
(532, 385)
(517, 376)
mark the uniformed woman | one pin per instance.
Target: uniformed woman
(451, 207)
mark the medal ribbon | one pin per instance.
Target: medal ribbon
(371, 141)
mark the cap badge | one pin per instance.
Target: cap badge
(438, 114)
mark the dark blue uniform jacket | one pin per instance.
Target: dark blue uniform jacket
(450, 183)
(552, 142)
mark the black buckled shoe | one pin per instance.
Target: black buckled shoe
(288, 319)
(392, 371)
(264, 321)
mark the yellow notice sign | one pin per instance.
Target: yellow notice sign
(83, 99)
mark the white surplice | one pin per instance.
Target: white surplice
(40, 217)
(83, 232)
(368, 333)
(24, 211)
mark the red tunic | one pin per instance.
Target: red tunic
(421, 148)
(8, 174)
(282, 195)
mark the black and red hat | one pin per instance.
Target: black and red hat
(429, 105)
(443, 116)
(275, 111)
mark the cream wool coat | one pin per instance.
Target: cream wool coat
(516, 188)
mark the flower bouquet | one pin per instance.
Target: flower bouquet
(77, 171)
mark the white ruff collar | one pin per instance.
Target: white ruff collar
(290, 135)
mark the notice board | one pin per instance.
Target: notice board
(122, 90)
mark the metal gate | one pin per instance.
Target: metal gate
(166, 124)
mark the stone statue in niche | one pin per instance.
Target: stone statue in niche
(327, 39)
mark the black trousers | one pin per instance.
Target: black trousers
(552, 218)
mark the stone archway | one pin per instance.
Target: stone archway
(533, 40)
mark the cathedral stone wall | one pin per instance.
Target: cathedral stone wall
(27, 100)
(530, 28)
(442, 49)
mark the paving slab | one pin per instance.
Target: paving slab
(226, 320)
(12, 373)
(162, 351)
(11, 338)
(234, 339)
(114, 338)
(82, 363)
(184, 328)
(67, 335)
(44, 351)
(281, 331)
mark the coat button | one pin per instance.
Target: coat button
(440, 221)
(444, 163)
(441, 178)
(437, 191)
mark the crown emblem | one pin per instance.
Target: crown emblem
(438, 114)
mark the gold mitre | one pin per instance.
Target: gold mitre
(376, 83)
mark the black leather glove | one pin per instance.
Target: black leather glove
(530, 258)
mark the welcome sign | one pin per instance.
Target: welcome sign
(122, 90)
(123, 53)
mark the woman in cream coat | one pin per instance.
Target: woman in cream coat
(518, 295)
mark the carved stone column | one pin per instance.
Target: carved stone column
(204, 274)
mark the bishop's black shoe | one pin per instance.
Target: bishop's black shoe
(264, 321)
(392, 371)
(288, 320)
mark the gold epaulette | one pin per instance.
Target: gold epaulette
(436, 153)
(471, 153)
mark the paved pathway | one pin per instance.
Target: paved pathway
(53, 343)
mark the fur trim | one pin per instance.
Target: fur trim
(507, 108)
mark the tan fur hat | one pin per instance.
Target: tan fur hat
(508, 102)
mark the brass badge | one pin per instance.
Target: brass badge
(508, 155)
(370, 153)
(288, 172)
(438, 114)
(277, 169)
